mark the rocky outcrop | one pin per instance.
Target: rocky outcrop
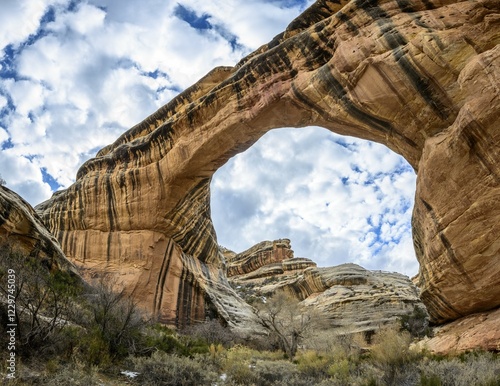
(264, 258)
(351, 297)
(22, 228)
(418, 76)
(473, 332)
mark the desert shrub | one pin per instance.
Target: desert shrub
(240, 362)
(416, 322)
(44, 300)
(431, 380)
(313, 364)
(391, 353)
(239, 373)
(482, 369)
(114, 322)
(245, 353)
(194, 346)
(93, 349)
(271, 372)
(212, 332)
(157, 339)
(285, 320)
(260, 372)
(337, 345)
(391, 347)
(73, 374)
(340, 371)
(171, 370)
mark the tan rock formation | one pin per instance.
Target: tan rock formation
(353, 298)
(21, 226)
(473, 332)
(260, 255)
(418, 76)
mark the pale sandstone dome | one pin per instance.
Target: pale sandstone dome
(418, 76)
(352, 298)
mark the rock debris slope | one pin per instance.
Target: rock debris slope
(421, 77)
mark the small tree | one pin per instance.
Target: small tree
(285, 320)
(2, 181)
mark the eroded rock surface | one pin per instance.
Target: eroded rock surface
(351, 297)
(22, 228)
(473, 332)
(421, 77)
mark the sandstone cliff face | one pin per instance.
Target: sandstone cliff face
(418, 76)
(24, 230)
(351, 297)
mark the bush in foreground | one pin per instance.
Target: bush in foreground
(171, 370)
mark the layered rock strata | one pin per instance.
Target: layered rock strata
(351, 297)
(22, 228)
(419, 76)
(265, 254)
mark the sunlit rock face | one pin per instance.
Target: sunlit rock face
(351, 297)
(472, 332)
(264, 259)
(22, 228)
(418, 76)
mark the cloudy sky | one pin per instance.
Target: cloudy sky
(76, 74)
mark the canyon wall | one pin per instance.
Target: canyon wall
(421, 77)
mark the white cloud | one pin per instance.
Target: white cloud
(335, 204)
(4, 136)
(85, 20)
(3, 102)
(254, 22)
(23, 176)
(19, 19)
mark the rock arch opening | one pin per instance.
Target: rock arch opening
(338, 199)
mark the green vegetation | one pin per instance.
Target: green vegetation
(71, 335)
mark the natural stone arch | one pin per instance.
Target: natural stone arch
(419, 77)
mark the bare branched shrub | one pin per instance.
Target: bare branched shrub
(212, 332)
(286, 321)
(41, 301)
(114, 322)
(116, 314)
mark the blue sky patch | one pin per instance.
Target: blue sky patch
(54, 185)
(190, 17)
